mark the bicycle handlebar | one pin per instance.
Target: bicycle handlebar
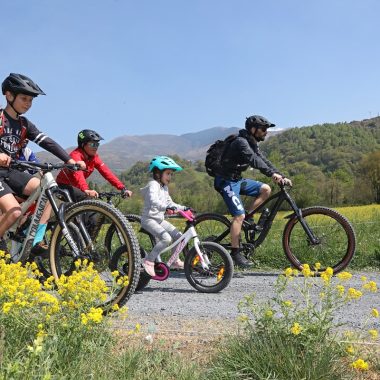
(109, 194)
(45, 167)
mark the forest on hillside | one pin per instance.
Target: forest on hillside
(329, 164)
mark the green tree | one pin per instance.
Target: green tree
(370, 169)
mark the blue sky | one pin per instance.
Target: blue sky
(175, 66)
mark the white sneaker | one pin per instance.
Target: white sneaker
(149, 267)
(177, 264)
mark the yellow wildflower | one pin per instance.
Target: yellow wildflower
(360, 365)
(268, 313)
(115, 307)
(288, 303)
(243, 318)
(288, 272)
(350, 349)
(327, 274)
(306, 270)
(375, 313)
(374, 334)
(296, 329)
(317, 266)
(371, 286)
(340, 289)
(344, 276)
(354, 294)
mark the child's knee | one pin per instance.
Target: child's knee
(166, 238)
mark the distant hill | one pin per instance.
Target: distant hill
(327, 146)
(123, 151)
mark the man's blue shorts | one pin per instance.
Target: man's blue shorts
(232, 189)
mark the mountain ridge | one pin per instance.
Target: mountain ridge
(124, 151)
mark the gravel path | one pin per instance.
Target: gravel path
(173, 305)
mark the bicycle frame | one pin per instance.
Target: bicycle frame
(189, 234)
(280, 197)
(42, 194)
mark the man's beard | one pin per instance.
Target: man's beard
(259, 138)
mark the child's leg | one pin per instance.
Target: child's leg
(162, 236)
(175, 235)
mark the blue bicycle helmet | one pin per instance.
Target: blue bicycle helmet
(162, 163)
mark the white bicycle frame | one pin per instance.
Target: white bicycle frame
(191, 233)
(39, 194)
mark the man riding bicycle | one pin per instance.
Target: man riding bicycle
(243, 152)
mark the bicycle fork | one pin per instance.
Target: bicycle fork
(298, 212)
(205, 262)
(60, 212)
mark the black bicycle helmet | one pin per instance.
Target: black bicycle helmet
(88, 135)
(20, 84)
(257, 121)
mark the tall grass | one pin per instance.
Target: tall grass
(295, 340)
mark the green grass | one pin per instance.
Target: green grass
(364, 219)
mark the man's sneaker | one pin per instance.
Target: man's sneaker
(240, 261)
(40, 250)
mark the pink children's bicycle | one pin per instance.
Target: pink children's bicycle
(208, 266)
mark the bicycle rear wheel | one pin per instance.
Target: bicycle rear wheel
(220, 271)
(123, 246)
(215, 228)
(336, 240)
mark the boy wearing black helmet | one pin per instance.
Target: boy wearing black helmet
(242, 153)
(87, 151)
(19, 91)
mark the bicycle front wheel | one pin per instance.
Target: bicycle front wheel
(146, 243)
(124, 246)
(217, 276)
(335, 246)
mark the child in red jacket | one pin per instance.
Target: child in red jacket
(75, 182)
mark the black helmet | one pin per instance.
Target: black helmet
(257, 121)
(20, 84)
(88, 135)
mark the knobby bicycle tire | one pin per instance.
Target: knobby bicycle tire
(216, 228)
(220, 271)
(336, 240)
(213, 227)
(125, 248)
(146, 243)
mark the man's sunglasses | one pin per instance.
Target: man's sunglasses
(93, 144)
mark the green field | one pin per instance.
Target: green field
(365, 221)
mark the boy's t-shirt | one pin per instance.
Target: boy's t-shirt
(78, 178)
(12, 136)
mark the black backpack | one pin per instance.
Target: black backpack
(214, 155)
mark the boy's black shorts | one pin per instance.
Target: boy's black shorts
(13, 181)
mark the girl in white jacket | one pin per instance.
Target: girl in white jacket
(157, 201)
